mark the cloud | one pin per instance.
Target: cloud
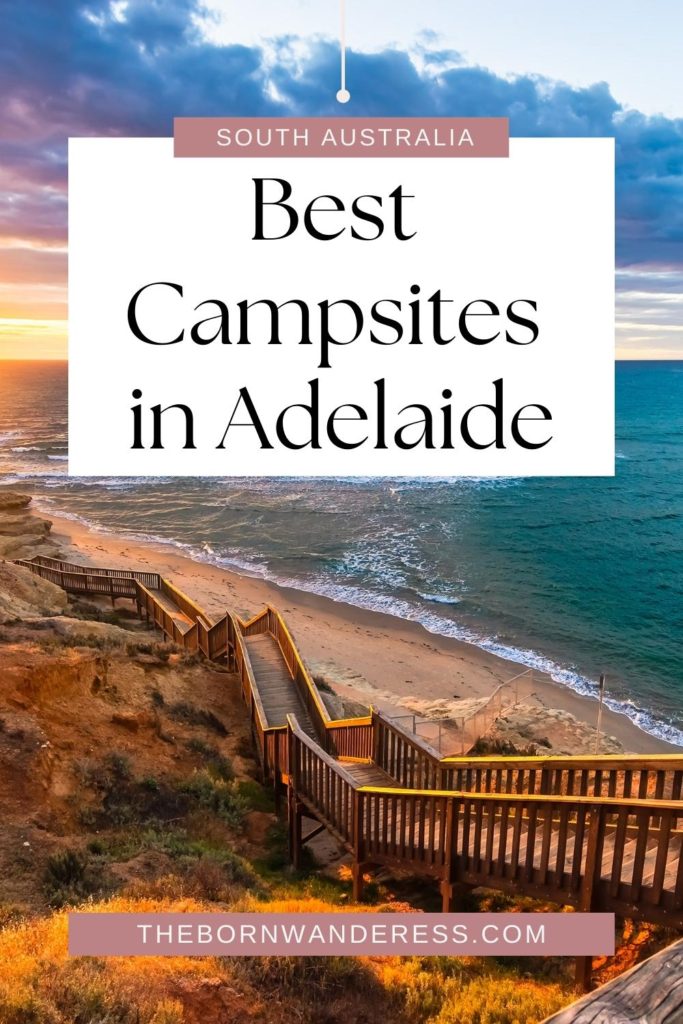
(97, 68)
(661, 280)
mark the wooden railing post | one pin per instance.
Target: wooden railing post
(376, 736)
(295, 836)
(358, 845)
(591, 877)
(231, 642)
(544, 787)
(276, 770)
(447, 887)
(294, 807)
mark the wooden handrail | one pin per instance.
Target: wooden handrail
(407, 757)
(404, 756)
(151, 579)
(657, 806)
(418, 742)
(647, 992)
(322, 784)
(249, 687)
(653, 761)
(612, 776)
(186, 604)
(322, 755)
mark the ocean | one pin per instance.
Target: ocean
(573, 576)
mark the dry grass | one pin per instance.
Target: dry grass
(468, 990)
(40, 984)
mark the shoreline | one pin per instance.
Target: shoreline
(367, 656)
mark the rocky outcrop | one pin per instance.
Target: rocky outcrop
(549, 730)
(22, 534)
(81, 631)
(10, 501)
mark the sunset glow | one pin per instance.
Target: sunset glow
(135, 66)
(32, 339)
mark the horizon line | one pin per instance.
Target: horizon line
(617, 359)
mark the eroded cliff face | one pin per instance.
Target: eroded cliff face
(22, 534)
(25, 596)
(74, 709)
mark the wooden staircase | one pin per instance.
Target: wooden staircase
(594, 833)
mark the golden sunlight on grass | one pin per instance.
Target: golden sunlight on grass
(40, 984)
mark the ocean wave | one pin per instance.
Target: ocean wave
(411, 610)
(15, 478)
(25, 448)
(108, 483)
(202, 553)
(440, 598)
(58, 458)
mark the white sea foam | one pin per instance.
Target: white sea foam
(433, 623)
(15, 478)
(440, 598)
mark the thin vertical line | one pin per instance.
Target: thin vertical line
(342, 41)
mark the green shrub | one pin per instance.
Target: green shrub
(193, 715)
(215, 762)
(221, 798)
(256, 796)
(245, 748)
(67, 878)
(123, 799)
(107, 774)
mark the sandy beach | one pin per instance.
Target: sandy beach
(368, 656)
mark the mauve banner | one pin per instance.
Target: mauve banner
(341, 137)
(341, 934)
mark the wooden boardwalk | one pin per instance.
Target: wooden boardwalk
(594, 833)
(278, 696)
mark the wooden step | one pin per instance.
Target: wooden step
(276, 688)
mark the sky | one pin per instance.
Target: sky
(553, 67)
(634, 46)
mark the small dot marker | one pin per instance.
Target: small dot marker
(343, 96)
